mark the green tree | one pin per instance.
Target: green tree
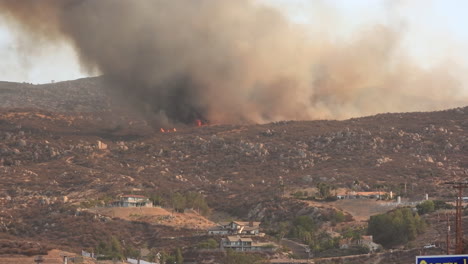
(426, 207)
(438, 204)
(178, 202)
(306, 222)
(156, 199)
(116, 248)
(208, 244)
(178, 256)
(298, 194)
(283, 229)
(196, 201)
(395, 227)
(338, 217)
(353, 233)
(324, 190)
(303, 228)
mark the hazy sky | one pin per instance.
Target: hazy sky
(434, 30)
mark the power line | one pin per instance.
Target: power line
(460, 186)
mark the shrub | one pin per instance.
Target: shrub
(208, 244)
(395, 227)
(426, 207)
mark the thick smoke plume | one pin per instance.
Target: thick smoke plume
(234, 61)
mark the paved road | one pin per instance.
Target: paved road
(298, 249)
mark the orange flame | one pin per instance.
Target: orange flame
(168, 130)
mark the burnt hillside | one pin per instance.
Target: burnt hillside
(49, 150)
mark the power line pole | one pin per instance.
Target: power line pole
(460, 186)
(448, 235)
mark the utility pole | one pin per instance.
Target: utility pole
(448, 235)
(460, 186)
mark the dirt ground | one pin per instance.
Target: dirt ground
(360, 209)
(157, 215)
(53, 257)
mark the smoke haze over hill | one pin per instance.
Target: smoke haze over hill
(234, 61)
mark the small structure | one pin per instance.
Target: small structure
(365, 241)
(368, 241)
(238, 243)
(101, 145)
(345, 243)
(236, 228)
(133, 200)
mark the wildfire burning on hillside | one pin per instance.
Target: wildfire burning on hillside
(168, 130)
(233, 61)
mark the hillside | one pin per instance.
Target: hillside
(51, 165)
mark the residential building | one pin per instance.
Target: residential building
(133, 200)
(236, 228)
(367, 241)
(239, 243)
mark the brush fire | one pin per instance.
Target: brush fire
(235, 61)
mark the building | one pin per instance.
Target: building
(238, 243)
(368, 241)
(364, 241)
(133, 200)
(236, 228)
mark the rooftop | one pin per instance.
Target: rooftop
(238, 238)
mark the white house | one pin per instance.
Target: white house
(133, 200)
(239, 243)
(235, 228)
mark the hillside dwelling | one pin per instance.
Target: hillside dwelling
(101, 145)
(365, 241)
(133, 200)
(345, 243)
(236, 228)
(238, 243)
(368, 242)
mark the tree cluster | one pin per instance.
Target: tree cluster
(175, 258)
(305, 229)
(430, 206)
(190, 200)
(181, 201)
(396, 227)
(209, 243)
(114, 250)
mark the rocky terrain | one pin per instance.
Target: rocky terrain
(67, 145)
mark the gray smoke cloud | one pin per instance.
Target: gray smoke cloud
(234, 61)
